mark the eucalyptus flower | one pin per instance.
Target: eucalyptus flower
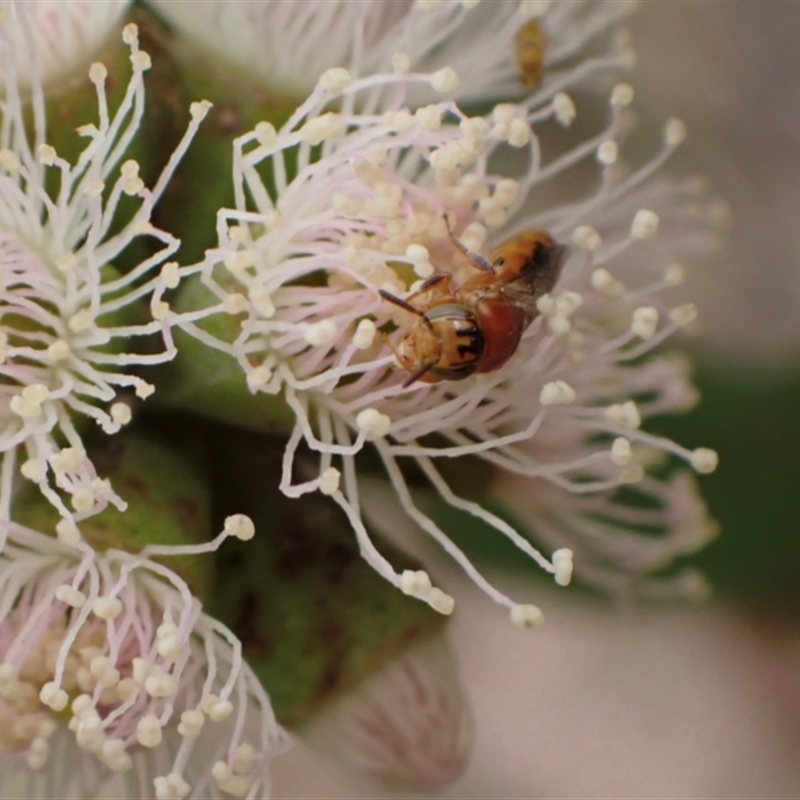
(501, 48)
(111, 666)
(340, 205)
(407, 727)
(65, 37)
(71, 332)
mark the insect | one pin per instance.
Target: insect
(477, 326)
(530, 43)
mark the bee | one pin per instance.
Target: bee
(476, 326)
(530, 43)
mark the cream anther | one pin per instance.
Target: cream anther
(329, 480)
(474, 127)
(219, 710)
(266, 135)
(59, 350)
(244, 759)
(416, 583)
(674, 132)
(370, 420)
(70, 596)
(9, 160)
(526, 616)
(504, 113)
(28, 403)
(107, 608)
(519, 133)
(625, 415)
(98, 73)
(704, 460)
(607, 153)
(327, 126)
(556, 393)
(67, 532)
(143, 389)
(622, 95)
(227, 782)
(429, 118)
(159, 309)
(568, 303)
(562, 564)
(559, 325)
(259, 376)
(240, 526)
(683, 315)
(236, 263)
(320, 333)
(605, 283)
(103, 671)
(546, 305)
(262, 301)
(67, 460)
(400, 119)
(168, 644)
(444, 80)
(141, 61)
(235, 303)
(587, 238)
(645, 224)
(81, 321)
(130, 33)
(505, 192)
(46, 154)
(121, 413)
(645, 322)
(198, 110)
(674, 274)
(564, 109)
(83, 499)
(171, 787)
(34, 470)
(364, 335)
(440, 601)
(53, 696)
(335, 80)
(191, 723)
(621, 452)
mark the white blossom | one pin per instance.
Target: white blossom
(65, 36)
(407, 727)
(354, 220)
(110, 666)
(468, 49)
(68, 343)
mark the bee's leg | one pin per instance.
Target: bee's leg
(476, 259)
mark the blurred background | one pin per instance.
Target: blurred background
(677, 701)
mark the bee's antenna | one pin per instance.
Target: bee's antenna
(398, 301)
(417, 374)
